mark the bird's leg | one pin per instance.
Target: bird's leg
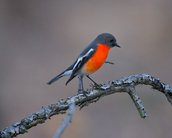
(109, 62)
(80, 87)
(93, 81)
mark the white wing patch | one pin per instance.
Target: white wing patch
(88, 52)
(81, 58)
(69, 72)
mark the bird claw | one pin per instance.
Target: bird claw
(80, 91)
(96, 86)
(83, 92)
(109, 62)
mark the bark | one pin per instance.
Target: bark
(125, 84)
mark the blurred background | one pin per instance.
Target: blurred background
(39, 39)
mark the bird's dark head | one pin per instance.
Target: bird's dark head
(108, 39)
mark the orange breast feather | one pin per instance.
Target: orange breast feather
(97, 60)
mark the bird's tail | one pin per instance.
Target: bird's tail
(56, 78)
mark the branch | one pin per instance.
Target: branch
(67, 119)
(122, 85)
(138, 103)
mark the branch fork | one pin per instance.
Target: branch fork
(125, 84)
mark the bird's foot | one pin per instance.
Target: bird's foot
(81, 91)
(96, 86)
(109, 62)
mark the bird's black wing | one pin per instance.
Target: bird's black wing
(81, 60)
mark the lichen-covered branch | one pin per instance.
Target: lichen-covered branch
(122, 85)
(67, 119)
(138, 103)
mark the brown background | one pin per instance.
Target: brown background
(38, 39)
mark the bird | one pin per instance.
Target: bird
(89, 61)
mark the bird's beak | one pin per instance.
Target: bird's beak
(117, 45)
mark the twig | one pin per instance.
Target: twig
(67, 119)
(138, 103)
(121, 85)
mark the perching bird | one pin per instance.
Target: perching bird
(90, 60)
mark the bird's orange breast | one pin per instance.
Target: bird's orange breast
(97, 60)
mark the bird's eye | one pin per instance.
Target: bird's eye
(111, 40)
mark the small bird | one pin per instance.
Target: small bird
(90, 60)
